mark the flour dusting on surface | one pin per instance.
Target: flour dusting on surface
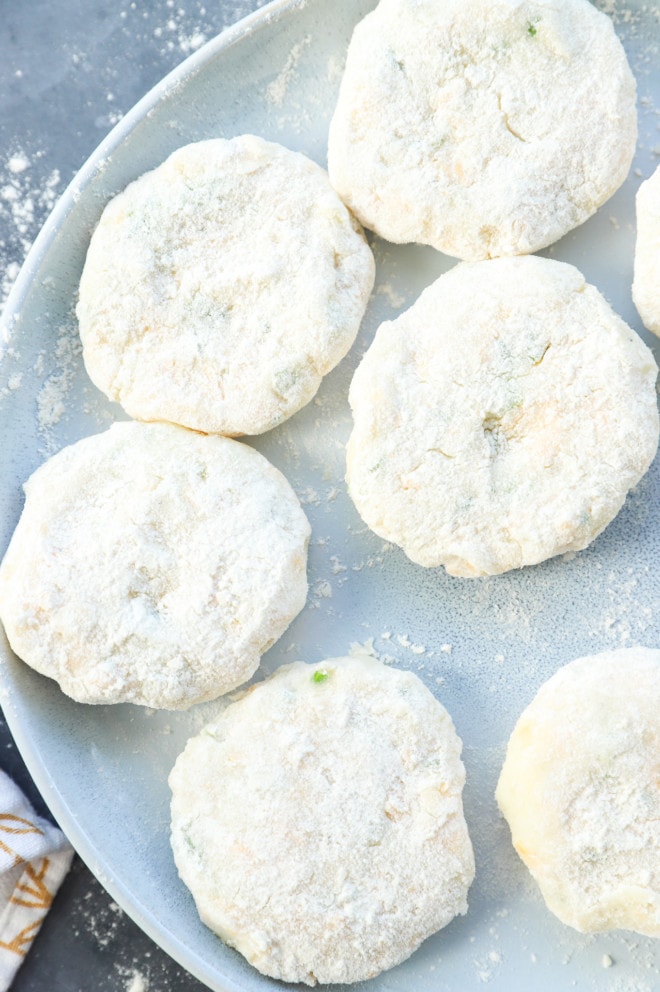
(277, 90)
(52, 398)
(26, 197)
(137, 983)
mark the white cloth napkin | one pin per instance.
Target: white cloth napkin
(34, 858)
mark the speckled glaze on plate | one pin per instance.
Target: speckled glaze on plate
(482, 646)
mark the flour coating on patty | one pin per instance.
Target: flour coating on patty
(482, 127)
(502, 419)
(222, 286)
(318, 821)
(153, 565)
(579, 789)
(646, 282)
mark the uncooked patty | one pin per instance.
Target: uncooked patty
(222, 286)
(646, 282)
(580, 791)
(318, 821)
(502, 419)
(482, 127)
(153, 565)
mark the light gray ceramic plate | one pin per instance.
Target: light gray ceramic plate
(483, 646)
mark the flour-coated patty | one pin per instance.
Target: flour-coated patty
(318, 821)
(579, 788)
(482, 127)
(646, 282)
(502, 419)
(153, 565)
(222, 286)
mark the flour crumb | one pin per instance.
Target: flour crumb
(309, 497)
(323, 590)
(50, 403)
(277, 90)
(335, 69)
(404, 641)
(607, 961)
(137, 983)
(358, 650)
(25, 200)
(18, 163)
(52, 397)
(395, 300)
(192, 42)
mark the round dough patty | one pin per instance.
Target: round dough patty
(318, 821)
(479, 126)
(646, 282)
(580, 789)
(502, 419)
(153, 565)
(222, 286)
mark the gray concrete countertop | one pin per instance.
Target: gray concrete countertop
(69, 70)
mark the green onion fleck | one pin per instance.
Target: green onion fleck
(531, 30)
(319, 675)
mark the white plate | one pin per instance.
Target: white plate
(483, 646)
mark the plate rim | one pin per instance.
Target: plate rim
(196, 964)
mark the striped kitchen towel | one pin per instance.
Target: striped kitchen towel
(34, 858)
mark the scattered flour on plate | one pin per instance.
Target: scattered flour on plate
(13, 382)
(335, 68)
(52, 398)
(486, 965)
(308, 496)
(277, 90)
(388, 640)
(322, 589)
(394, 299)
